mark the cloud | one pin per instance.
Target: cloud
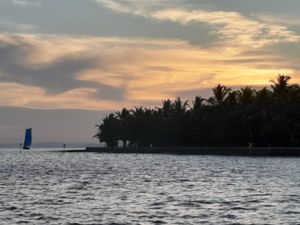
(278, 19)
(136, 7)
(114, 5)
(26, 2)
(28, 60)
(233, 29)
(11, 26)
(51, 71)
(14, 94)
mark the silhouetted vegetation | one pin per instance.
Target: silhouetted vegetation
(265, 117)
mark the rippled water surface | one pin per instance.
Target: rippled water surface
(39, 187)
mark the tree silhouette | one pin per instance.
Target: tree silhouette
(266, 117)
(108, 130)
(281, 84)
(245, 96)
(220, 93)
(124, 117)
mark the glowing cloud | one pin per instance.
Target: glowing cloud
(106, 73)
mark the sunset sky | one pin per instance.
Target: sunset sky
(106, 54)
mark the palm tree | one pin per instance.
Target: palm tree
(294, 93)
(179, 106)
(108, 131)
(137, 125)
(263, 97)
(233, 118)
(246, 95)
(220, 94)
(281, 84)
(167, 108)
(197, 104)
(231, 99)
(166, 113)
(124, 117)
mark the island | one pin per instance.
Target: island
(246, 121)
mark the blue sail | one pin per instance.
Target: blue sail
(28, 139)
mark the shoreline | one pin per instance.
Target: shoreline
(222, 151)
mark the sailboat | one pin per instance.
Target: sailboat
(28, 139)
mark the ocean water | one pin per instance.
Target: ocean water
(40, 187)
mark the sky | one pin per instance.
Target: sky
(102, 55)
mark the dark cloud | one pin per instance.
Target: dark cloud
(56, 77)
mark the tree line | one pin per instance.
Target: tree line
(233, 118)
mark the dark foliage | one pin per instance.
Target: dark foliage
(266, 117)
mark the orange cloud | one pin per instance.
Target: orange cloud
(13, 94)
(146, 70)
